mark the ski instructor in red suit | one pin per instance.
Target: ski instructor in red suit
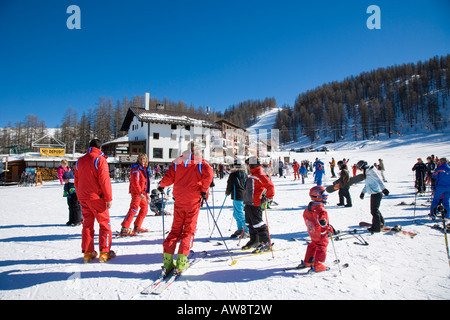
(93, 187)
(191, 177)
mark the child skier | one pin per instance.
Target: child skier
(316, 220)
(72, 201)
(156, 203)
(235, 188)
(256, 184)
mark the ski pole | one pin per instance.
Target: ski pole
(233, 262)
(415, 203)
(334, 249)
(162, 215)
(443, 213)
(268, 233)
(218, 216)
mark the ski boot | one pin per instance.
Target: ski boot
(105, 256)
(167, 262)
(137, 230)
(253, 242)
(182, 263)
(304, 264)
(262, 247)
(319, 267)
(89, 256)
(126, 232)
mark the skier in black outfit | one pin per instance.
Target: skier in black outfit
(72, 199)
(420, 168)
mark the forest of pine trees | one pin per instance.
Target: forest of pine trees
(385, 100)
(379, 101)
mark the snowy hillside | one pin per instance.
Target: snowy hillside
(40, 257)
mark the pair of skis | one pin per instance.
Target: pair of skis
(311, 271)
(166, 279)
(395, 229)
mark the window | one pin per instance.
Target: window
(173, 126)
(173, 153)
(158, 153)
(155, 136)
(173, 137)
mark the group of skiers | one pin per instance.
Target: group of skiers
(191, 177)
(435, 173)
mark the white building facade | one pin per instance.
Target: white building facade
(168, 133)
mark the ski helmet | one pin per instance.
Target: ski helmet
(362, 165)
(318, 193)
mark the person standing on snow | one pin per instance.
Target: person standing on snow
(139, 189)
(235, 188)
(332, 165)
(420, 168)
(317, 224)
(63, 167)
(191, 177)
(375, 187)
(296, 168)
(380, 167)
(255, 186)
(93, 186)
(344, 185)
(72, 199)
(303, 172)
(441, 177)
(318, 174)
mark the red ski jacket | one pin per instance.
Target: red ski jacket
(92, 180)
(139, 179)
(256, 183)
(190, 175)
(316, 220)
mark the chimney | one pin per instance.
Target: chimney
(147, 101)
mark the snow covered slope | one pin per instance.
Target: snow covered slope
(40, 257)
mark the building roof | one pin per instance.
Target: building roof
(229, 123)
(166, 117)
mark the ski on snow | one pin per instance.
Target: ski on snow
(395, 229)
(310, 270)
(167, 278)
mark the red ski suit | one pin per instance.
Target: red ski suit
(190, 175)
(296, 167)
(139, 185)
(93, 187)
(316, 220)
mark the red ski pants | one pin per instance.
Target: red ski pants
(137, 205)
(317, 250)
(296, 174)
(95, 210)
(183, 228)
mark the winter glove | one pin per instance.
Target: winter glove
(361, 196)
(386, 192)
(330, 229)
(161, 189)
(203, 195)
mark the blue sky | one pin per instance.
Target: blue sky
(210, 53)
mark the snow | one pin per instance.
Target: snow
(40, 257)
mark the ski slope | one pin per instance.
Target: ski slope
(40, 257)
